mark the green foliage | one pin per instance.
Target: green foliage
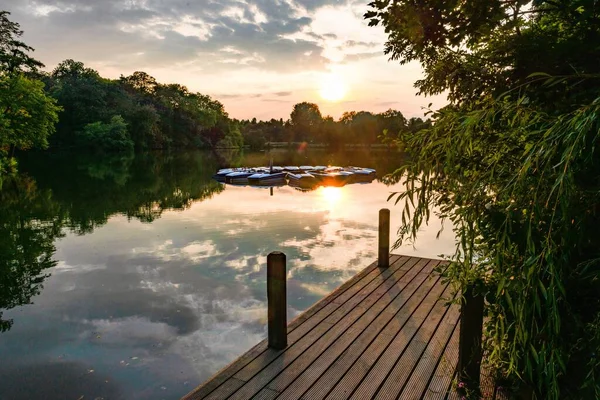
(107, 137)
(158, 116)
(27, 118)
(14, 57)
(307, 124)
(512, 162)
(27, 115)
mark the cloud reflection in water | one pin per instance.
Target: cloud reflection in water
(157, 308)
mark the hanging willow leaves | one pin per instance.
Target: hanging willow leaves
(513, 163)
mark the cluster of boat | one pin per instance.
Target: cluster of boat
(304, 176)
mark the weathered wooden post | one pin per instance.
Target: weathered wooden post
(469, 344)
(383, 259)
(276, 300)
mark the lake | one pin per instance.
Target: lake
(145, 276)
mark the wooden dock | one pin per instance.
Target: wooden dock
(388, 333)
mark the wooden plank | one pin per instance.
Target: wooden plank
(266, 394)
(452, 392)
(353, 377)
(297, 328)
(358, 282)
(361, 338)
(398, 376)
(428, 361)
(258, 375)
(385, 333)
(442, 377)
(297, 337)
(399, 345)
(385, 319)
(312, 363)
(230, 384)
(356, 279)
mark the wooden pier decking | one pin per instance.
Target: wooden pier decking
(387, 333)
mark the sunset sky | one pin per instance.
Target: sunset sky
(258, 57)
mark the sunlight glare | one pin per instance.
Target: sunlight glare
(332, 88)
(331, 195)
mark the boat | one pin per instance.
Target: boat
(239, 177)
(304, 176)
(267, 179)
(333, 176)
(362, 174)
(222, 173)
(302, 180)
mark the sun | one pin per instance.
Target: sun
(332, 88)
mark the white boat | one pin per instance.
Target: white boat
(302, 179)
(362, 174)
(239, 177)
(267, 179)
(333, 176)
(303, 176)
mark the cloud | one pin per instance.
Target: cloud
(275, 101)
(358, 43)
(282, 94)
(204, 35)
(361, 56)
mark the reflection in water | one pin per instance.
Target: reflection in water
(331, 196)
(28, 228)
(153, 283)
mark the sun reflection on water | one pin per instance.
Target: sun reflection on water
(331, 195)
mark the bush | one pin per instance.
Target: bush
(107, 137)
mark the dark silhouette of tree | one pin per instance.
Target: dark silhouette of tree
(30, 222)
(305, 121)
(14, 54)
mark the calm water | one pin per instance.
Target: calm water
(145, 276)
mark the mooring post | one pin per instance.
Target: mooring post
(469, 343)
(276, 300)
(383, 259)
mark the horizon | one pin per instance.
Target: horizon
(258, 58)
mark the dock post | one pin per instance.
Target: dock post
(469, 344)
(276, 300)
(383, 259)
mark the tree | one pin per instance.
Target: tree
(107, 137)
(512, 161)
(83, 96)
(305, 119)
(27, 115)
(140, 82)
(393, 121)
(14, 55)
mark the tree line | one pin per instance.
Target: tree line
(73, 107)
(307, 124)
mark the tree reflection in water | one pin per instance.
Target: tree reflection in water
(53, 195)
